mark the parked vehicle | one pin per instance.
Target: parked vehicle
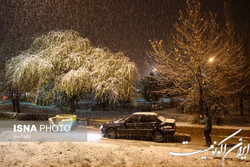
(61, 124)
(140, 124)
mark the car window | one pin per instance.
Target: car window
(146, 118)
(161, 118)
(132, 119)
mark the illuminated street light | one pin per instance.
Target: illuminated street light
(211, 59)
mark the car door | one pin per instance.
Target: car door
(146, 125)
(129, 126)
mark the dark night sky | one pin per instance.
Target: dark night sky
(121, 25)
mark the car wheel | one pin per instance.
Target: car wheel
(158, 136)
(111, 133)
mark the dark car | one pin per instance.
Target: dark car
(140, 124)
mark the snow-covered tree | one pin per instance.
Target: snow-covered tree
(73, 67)
(150, 88)
(203, 63)
(196, 39)
(229, 74)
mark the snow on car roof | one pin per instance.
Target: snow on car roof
(145, 113)
(170, 120)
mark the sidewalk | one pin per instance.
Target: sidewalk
(214, 126)
(195, 129)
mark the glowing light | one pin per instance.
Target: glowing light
(4, 97)
(211, 59)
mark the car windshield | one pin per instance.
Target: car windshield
(121, 119)
(161, 118)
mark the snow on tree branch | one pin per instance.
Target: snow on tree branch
(74, 66)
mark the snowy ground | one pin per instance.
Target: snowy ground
(100, 154)
(106, 152)
(120, 152)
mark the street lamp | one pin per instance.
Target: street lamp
(211, 59)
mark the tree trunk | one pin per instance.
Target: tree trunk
(201, 106)
(170, 103)
(241, 107)
(15, 103)
(201, 101)
(236, 104)
(72, 105)
(103, 106)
